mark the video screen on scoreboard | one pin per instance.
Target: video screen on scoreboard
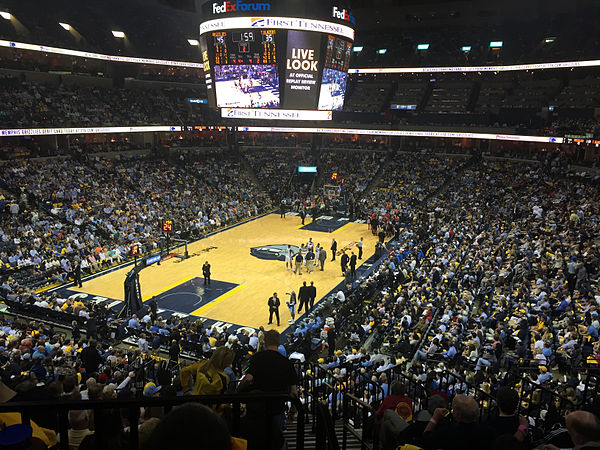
(247, 86)
(333, 82)
(337, 54)
(333, 89)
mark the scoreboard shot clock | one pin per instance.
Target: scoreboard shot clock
(168, 226)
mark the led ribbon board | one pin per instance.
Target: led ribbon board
(90, 55)
(508, 68)
(276, 23)
(375, 70)
(90, 130)
(406, 133)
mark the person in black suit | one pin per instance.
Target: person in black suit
(274, 308)
(77, 274)
(91, 327)
(206, 273)
(153, 306)
(344, 263)
(333, 249)
(353, 265)
(302, 214)
(312, 294)
(303, 295)
(331, 341)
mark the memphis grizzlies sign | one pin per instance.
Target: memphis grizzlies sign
(272, 252)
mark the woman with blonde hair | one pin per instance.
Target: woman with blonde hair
(209, 374)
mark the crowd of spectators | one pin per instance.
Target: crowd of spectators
(31, 104)
(502, 291)
(489, 280)
(107, 206)
(277, 169)
(351, 170)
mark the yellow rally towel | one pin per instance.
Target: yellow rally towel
(238, 444)
(48, 437)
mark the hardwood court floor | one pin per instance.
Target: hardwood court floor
(228, 253)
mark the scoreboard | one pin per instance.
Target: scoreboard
(288, 55)
(244, 47)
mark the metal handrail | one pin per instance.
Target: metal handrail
(62, 409)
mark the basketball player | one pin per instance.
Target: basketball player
(291, 304)
(310, 245)
(288, 258)
(303, 251)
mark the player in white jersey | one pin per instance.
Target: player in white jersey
(288, 258)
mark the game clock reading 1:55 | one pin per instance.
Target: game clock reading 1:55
(168, 226)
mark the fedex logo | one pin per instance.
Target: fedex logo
(343, 14)
(239, 5)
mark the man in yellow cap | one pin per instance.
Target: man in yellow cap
(544, 375)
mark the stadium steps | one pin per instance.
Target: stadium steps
(377, 178)
(310, 438)
(245, 165)
(472, 102)
(453, 177)
(426, 96)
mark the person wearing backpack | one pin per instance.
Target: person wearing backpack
(209, 374)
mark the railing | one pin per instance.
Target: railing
(325, 431)
(591, 390)
(358, 415)
(487, 403)
(415, 390)
(535, 397)
(61, 410)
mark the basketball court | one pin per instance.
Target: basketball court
(245, 268)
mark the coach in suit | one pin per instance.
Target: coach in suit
(77, 274)
(333, 249)
(312, 294)
(344, 262)
(274, 308)
(322, 258)
(304, 296)
(206, 273)
(353, 265)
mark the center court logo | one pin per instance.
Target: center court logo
(227, 6)
(272, 252)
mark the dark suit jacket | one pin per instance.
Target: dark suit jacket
(353, 261)
(274, 303)
(312, 292)
(304, 293)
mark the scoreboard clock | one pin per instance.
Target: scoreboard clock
(244, 47)
(135, 250)
(168, 226)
